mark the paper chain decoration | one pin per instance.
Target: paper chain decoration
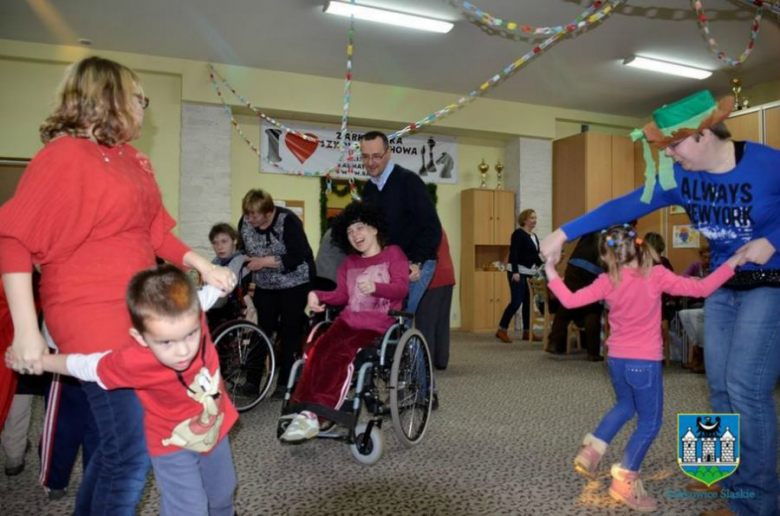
(594, 14)
(571, 28)
(520, 29)
(705, 29)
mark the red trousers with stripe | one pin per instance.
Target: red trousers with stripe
(328, 371)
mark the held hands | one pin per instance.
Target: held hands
(25, 356)
(552, 246)
(549, 269)
(414, 272)
(516, 277)
(736, 259)
(368, 287)
(314, 303)
(219, 277)
(757, 251)
(261, 262)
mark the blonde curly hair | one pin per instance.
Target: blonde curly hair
(96, 99)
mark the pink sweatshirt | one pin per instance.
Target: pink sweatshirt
(390, 272)
(635, 305)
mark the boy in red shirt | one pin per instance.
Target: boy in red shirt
(174, 369)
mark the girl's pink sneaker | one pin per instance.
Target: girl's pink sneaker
(587, 461)
(626, 487)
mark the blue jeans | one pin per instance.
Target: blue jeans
(639, 390)
(417, 288)
(742, 357)
(519, 296)
(116, 474)
(196, 484)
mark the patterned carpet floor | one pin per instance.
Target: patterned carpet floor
(511, 420)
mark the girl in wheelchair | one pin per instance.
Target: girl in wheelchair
(372, 280)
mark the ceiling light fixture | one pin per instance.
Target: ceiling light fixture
(665, 67)
(361, 12)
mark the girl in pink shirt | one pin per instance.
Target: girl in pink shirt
(632, 287)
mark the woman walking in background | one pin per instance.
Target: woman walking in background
(523, 261)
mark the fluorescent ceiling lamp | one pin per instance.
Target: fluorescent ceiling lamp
(664, 67)
(361, 12)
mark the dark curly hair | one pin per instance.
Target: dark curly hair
(358, 212)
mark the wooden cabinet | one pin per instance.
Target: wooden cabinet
(746, 125)
(759, 124)
(588, 170)
(772, 125)
(492, 288)
(487, 223)
(491, 215)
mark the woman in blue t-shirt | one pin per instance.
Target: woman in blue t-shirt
(731, 192)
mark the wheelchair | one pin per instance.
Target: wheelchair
(392, 378)
(246, 354)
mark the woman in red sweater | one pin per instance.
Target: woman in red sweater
(88, 211)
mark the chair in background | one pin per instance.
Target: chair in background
(574, 332)
(538, 294)
(665, 335)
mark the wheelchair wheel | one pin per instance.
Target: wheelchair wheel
(411, 388)
(246, 360)
(370, 452)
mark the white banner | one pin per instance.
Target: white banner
(433, 157)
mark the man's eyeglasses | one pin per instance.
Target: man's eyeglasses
(373, 157)
(142, 100)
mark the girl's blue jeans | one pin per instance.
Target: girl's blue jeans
(639, 390)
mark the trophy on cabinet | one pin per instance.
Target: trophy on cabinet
(499, 168)
(736, 89)
(483, 170)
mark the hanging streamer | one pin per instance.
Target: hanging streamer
(590, 17)
(519, 29)
(508, 71)
(713, 45)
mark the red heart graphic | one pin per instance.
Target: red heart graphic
(301, 149)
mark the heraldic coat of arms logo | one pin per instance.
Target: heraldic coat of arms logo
(708, 445)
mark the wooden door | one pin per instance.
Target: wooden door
(772, 126)
(501, 294)
(484, 301)
(504, 217)
(745, 125)
(598, 166)
(568, 179)
(622, 166)
(482, 216)
(10, 174)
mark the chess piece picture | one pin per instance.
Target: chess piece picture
(272, 153)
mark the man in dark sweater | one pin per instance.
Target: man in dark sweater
(582, 270)
(411, 216)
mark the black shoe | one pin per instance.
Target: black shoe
(435, 403)
(12, 471)
(595, 358)
(555, 352)
(56, 494)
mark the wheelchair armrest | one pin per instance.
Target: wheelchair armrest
(401, 314)
(330, 313)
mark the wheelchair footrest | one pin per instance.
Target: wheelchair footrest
(341, 418)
